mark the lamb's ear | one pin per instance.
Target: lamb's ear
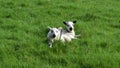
(74, 22)
(64, 23)
(49, 27)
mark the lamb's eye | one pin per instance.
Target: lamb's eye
(67, 25)
(51, 31)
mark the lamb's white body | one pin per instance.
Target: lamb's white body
(67, 36)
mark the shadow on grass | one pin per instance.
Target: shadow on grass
(102, 45)
(84, 43)
(116, 26)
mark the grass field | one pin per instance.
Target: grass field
(23, 30)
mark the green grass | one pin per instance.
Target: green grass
(23, 30)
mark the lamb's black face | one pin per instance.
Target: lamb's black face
(70, 25)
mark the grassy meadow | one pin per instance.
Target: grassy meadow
(23, 34)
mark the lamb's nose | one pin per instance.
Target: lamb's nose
(70, 28)
(54, 35)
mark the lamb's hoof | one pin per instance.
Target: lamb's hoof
(50, 46)
(79, 35)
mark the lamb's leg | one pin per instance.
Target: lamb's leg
(76, 36)
(50, 43)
